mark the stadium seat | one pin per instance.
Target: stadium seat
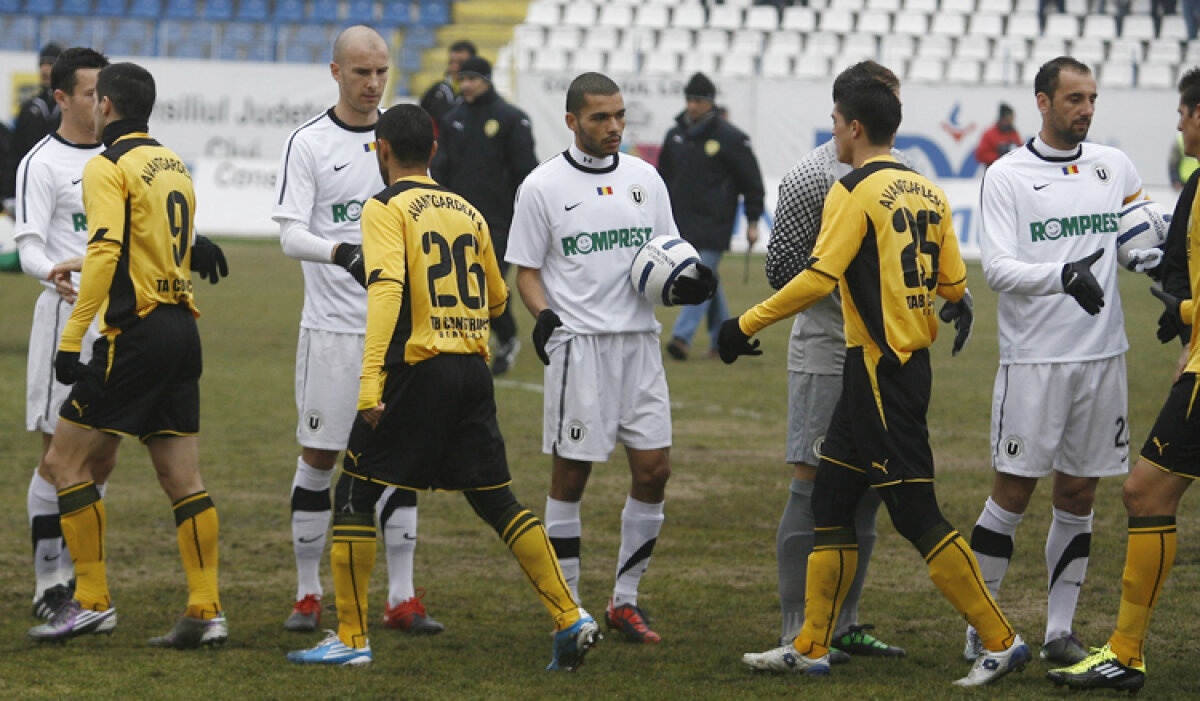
(661, 63)
(1141, 7)
(764, 18)
(180, 9)
(1089, 51)
(1191, 52)
(858, 47)
(962, 7)
(601, 38)
(290, 11)
(67, 31)
(131, 29)
(713, 41)
(896, 49)
(1001, 73)
(1100, 27)
(434, 13)
(1164, 51)
(1138, 27)
(360, 12)
(822, 44)
(1079, 8)
(926, 70)
(253, 10)
(836, 20)
(798, 18)
(922, 6)
(937, 46)
(746, 41)
(776, 66)
(675, 39)
(145, 9)
(998, 7)
(584, 61)
(79, 8)
(1010, 48)
(883, 5)
(190, 49)
(1047, 48)
(579, 14)
(38, 7)
(688, 16)
(1156, 75)
(1061, 26)
(727, 17)
(973, 49)
(736, 66)
(301, 53)
(950, 24)
(1023, 25)
(622, 62)
(653, 17)
(1116, 74)
(848, 5)
(9, 7)
(912, 23)
(698, 62)
(322, 11)
(1127, 50)
(874, 22)
(1173, 27)
(564, 37)
(619, 16)
(543, 14)
(550, 59)
(985, 25)
(812, 68)
(396, 14)
(967, 71)
(218, 10)
(1028, 7)
(784, 43)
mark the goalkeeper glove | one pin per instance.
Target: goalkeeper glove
(350, 257)
(547, 321)
(1078, 281)
(962, 313)
(66, 366)
(1170, 323)
(1145, 259)
(694, 290)
(731, 342)
(209, 260)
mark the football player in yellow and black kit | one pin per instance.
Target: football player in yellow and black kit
(1170, 458)
(143, 376)
(427, 412)
(886, 237)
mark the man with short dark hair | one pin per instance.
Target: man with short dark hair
(888, 240)
(426, 405)
(444, 94)
(708, 166)
(140, 206)
(485, 150)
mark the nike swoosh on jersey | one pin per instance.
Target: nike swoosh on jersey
(76, 182)
(569, 207)
(336, 167)
(1039, 187)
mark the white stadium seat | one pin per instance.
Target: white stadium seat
(859, 47)
(895, 49)
(698, 62)
(776, 66)
(725, 17)
(1137, 27)
(1127, 50)
(935, 46)
(601, 38)
(566, 38)
(1166, 51)
(798, 19)
(1001, 73)
(735, 66)
(998, 7)
(964, 71)
(1100, 27)
(914, 23)
(1047, 48)
(1116, 74)
(746, 41)
(661, 63)
(579, 14)
(619, 16)
(1173, 27)
(1023, 25)
(622, 62)
(974, 48)
(985, 24)
(1090, 51)
(675, 39)
(883, 5)
(528, 36)
(713, 41)
(1079, 8)
(550, 59)
(1010, 48)
(543, 14)
(785, 42)
(1156, 75)
(925, 6)
(850, 5)
(584, 61)
(874, 22)
(1028, 7)
(653, 16)
(822, 44)
(1061, 26)
(1191, 52)
(764, 18)
(811, 67)
(951, 24)
(688, 16)
(837, 20)
(960, 6)
(926, 70)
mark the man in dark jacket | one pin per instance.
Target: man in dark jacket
(707, 164)
(38, 117)
(443, 95)
(485, 150)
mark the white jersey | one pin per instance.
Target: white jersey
(1043, 208)
(580, 220)
(49, 198)
(327, 172)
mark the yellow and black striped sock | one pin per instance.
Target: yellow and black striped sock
(831, 568)
(81, 513)
(526, 538)
(196, 529)
(353, 558)
(1149, 556)
(955, 572)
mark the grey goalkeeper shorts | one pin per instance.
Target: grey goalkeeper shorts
(811, 399)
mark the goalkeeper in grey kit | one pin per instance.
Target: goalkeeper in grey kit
(604, 379)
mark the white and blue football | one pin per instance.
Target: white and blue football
(1143, 226)
(659, 263)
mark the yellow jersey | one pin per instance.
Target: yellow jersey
(139, 202)
(886, 237)
(433, 283)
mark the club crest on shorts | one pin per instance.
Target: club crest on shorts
(816, 446)
(1013, 447)
(576, 431)
(637, 194)
(314, 421)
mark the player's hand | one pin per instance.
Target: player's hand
(350, 257)
(731, 342)
(63, 286)
(1078, 281)
(372, 415)
(689, 290)
(751, 233)
(1170, 323)
(209, 260)
(66, 366)
(1145, 259)
(547, 321)
(962, 313)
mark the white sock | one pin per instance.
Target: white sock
(400, 543)
(49, 551)
(1068, 545)
(640, 525)
(565, 530)
(992, 540)
(309, 528)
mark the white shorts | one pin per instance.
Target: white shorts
(43, 394)
(328, 365)
(600, 389)
(1065, 417)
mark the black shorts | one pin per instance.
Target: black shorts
(438, 429)
(882, 433)
(144, 381)
(1174, 442)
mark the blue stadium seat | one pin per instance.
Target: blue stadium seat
(116, 46)
(253, 10)
(396, 14)
(68, 31)
(145, 9)
(108, 8)
(238, 34)
(288, 11)
(181, 9)
(39, 7)
(10, 7)
(323, 11)
(75, 7)
(217, 10)
(421, 37)
(260, 52)
(131, 30)
(301, 53)
(360, 12)
(190, 49)
(433, 13)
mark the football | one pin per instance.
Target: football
(1143, 225)
(658, 263)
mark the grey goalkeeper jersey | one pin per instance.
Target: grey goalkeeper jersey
(818, 341)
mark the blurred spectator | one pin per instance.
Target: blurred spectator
(1191, 12)
(999, 139)
(38, 117)
(1179, 166)
(443, 95)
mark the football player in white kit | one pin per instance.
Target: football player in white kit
(1050, 215)
(328, 170)
(50, 228)
(580, 218)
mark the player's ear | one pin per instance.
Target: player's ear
(572, 121)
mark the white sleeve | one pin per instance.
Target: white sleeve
(664, 219)
(298, 242)
(529, 234)
(33, 257)
(297, 186)
(34, 205)
(998, 245)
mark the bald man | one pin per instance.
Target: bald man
(328, 170)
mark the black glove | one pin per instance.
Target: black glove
(209, 260)
(731, 342)
(547, 321)
(66, 366)
(1170, 324)
(350, 257)
(694, 290)
(962, 313)
(1078, 281)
